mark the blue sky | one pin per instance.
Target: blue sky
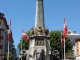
(22, 13)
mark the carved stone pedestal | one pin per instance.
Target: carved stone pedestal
(39, 47)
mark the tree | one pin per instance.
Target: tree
(55, 41)
(10, 55)
(25, 43)
(69, 54)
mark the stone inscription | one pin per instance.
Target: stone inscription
(39, 42)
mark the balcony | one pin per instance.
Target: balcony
(2, 27)
(0, 46)
(1, 37)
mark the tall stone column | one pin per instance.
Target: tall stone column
(39, 18)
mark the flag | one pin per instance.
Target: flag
(25, 36)
(62, 39)
(9, 35)
(65, 28)
(9, 31)
(65, 34)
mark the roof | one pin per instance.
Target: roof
(74, 34)
(3, 19)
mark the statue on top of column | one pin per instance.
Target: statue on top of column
(32, 31)
(39, 31)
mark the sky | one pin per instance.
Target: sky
(22, 14)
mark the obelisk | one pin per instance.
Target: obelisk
(39, 18)
(39, 36)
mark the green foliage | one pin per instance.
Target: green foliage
(69, 53)
(55, 41)
(10, 55)
(25, 43)
(28, 33)
(68, 44)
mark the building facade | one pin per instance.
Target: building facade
(12, 47)
(73, 36)
(77, 49)
(4, 37)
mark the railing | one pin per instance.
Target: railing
(1, 26)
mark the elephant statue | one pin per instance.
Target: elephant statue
(32, 31)
(40, 31)
(46, 31)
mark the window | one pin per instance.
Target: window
(0, 32)
(69, 32)
(0, 22)
(77, 44)
(77, 51)
(0, 51)
(0, 41)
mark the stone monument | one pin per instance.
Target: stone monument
(39, 47)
